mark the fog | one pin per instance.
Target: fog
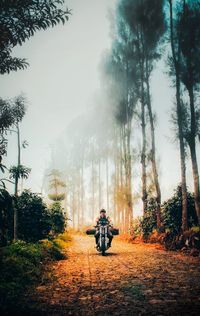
(68, 108)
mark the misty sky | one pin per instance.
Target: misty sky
(62, 81)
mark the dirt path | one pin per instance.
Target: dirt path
(130, 280)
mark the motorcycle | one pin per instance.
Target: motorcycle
(103, 241)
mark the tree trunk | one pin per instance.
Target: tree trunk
(100, 206)
(196, 178)
(73, 208)
(107, 184)
(180, 123)
(15, 215)
(129, 178)
(192, 145)
(82, 195)
(153, 152)
(78, 202)
(93, 190)
(144, 144)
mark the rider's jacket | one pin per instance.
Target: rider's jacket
(103, 220)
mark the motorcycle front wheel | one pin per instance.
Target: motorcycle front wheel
(103, 247)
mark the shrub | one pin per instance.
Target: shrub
(34, 220)
(21, 248)
(149, 221)
(51, 251)
(172, 212)
(21, 267)
(6, 217)
(136, 227)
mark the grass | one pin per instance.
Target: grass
(21, 266)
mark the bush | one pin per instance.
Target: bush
(34, 219)
(171, 215)
(136, 227)
(21, 248)
(21, 267)
(51, 251)
(6, 217)
(172, 212)
(149, 221)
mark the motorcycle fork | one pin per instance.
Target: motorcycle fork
(103, 233)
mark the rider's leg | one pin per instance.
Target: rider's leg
(110, 237)
(97, 237)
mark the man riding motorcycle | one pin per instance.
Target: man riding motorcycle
(103, 219)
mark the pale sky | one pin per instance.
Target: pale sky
(61, 82)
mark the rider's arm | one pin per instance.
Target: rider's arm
(110, 222)
(97, 222)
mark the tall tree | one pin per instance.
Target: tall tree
(153, 29)
(187, 27)
(19, 171)
(119, 68)
(56, 186)
(147, 25)
(175, 48)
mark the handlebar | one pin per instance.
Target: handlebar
(96, 226)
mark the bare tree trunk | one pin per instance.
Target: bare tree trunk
(153, 151)
(129, 180)
(143, 121)
(100, 206)
(196, 178)
(107, 184)
(180, 124)
(144, 144)
(82, 195)
(93, 190)
(78, 201)
(192, 145)
(72, 209)
(15, 215)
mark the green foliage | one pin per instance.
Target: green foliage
(21, 267)
(146, 17)
(51, 250)
(11, 113)
(149, 221)
(34, 219)
(172, 212)
(32, 252)
(6, 217)
(136, 228)
(187, 28)
(19, 20)
(19, 172)
(171, 215)
(57, 218)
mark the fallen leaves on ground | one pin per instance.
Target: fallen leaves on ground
(132, 279)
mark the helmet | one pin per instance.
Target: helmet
(102, 210)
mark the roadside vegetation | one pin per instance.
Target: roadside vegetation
(42, 240)
(170, 233)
